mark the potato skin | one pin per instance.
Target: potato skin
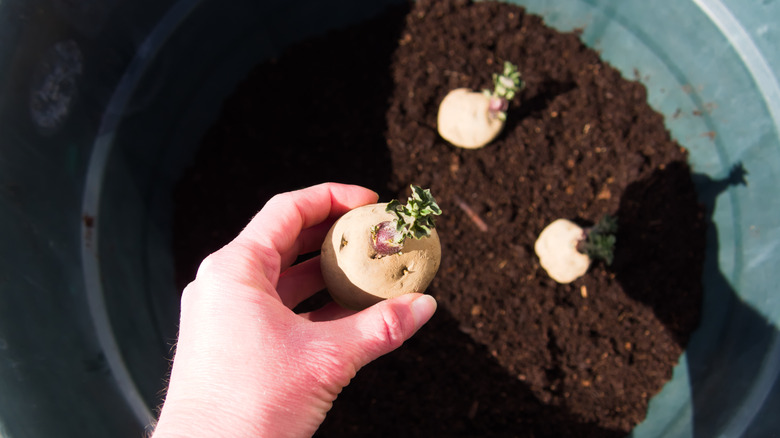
(356, 279)
(464, 121)
(557, 251)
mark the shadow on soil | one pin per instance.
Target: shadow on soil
(660, 248)
(445, 384)
(277, 133)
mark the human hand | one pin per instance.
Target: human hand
(245, 363)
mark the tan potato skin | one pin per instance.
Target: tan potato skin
(464, 120)
(557, 251)
(355, 279)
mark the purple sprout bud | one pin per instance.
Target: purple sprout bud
(385, 239)
(498, 104)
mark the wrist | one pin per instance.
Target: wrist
(236, 415)
(179, 419)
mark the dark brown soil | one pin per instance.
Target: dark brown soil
(510, 352)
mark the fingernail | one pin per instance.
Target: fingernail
(422, 310)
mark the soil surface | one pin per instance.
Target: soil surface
(509, 352)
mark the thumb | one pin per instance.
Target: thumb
(383, 327)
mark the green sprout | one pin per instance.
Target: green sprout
(505, 86)
(413, 220)
(599, 243)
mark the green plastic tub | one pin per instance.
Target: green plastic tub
(103, 102)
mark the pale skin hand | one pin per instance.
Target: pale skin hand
(245, 364)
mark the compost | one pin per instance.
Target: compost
(510, 352)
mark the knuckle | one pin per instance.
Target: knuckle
(189, 295)
(217, 267)
(208, 266)
(279, 199)
(393, 328)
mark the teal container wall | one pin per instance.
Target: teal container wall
(102, 104)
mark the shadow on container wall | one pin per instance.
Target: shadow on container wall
(732, 360)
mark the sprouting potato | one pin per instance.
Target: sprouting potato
(471, 119)
(381, 251)
(566, 250)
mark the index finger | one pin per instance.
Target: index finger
(280, 222)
